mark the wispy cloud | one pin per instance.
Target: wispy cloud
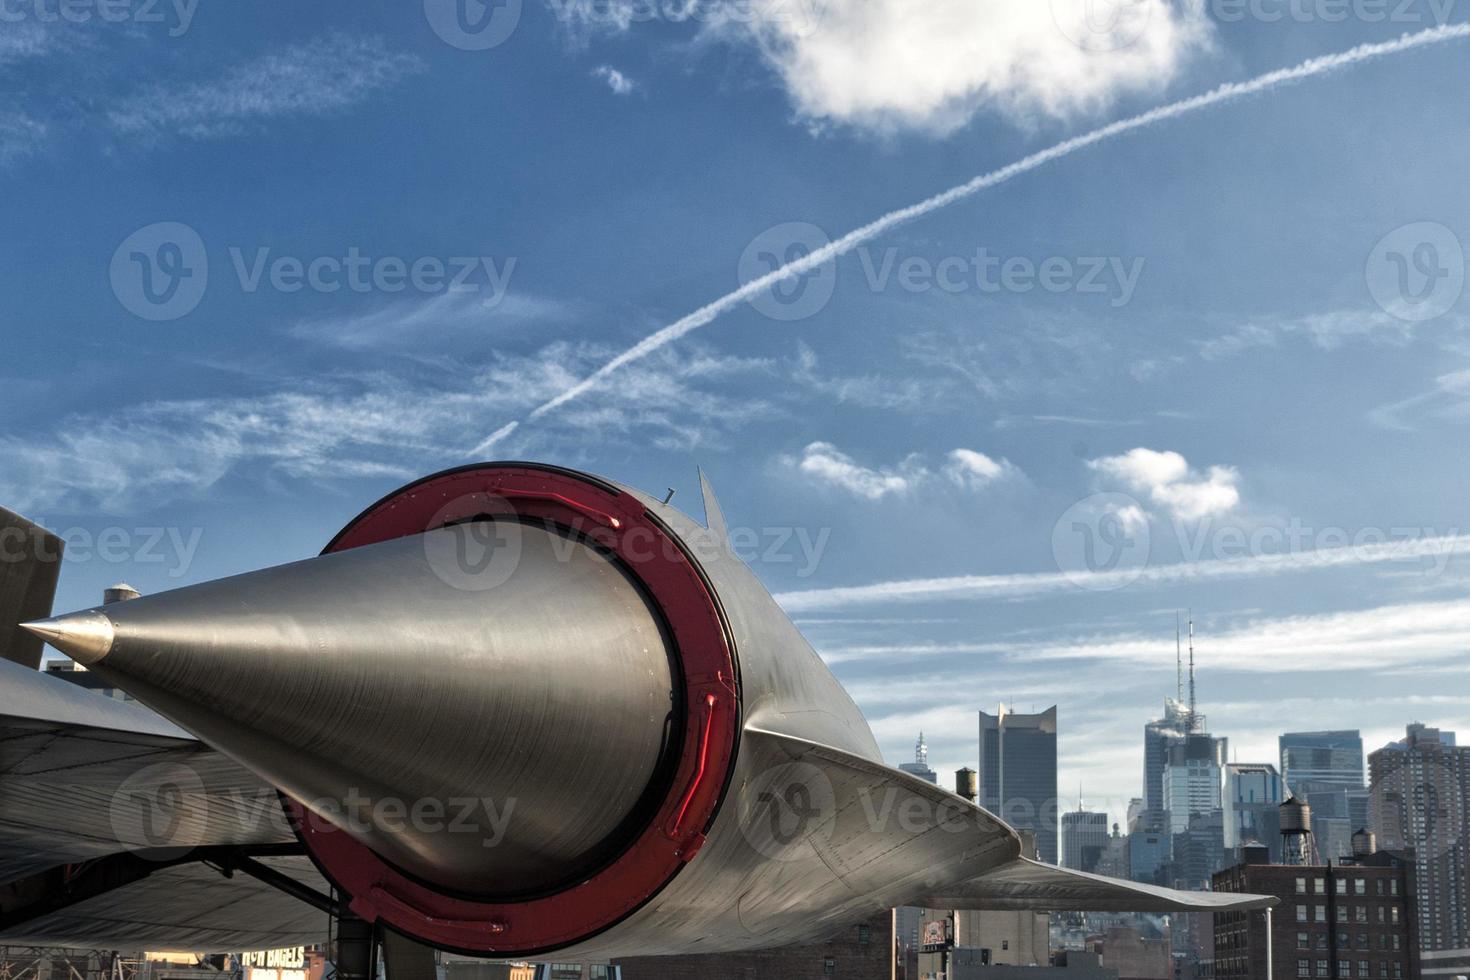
(1024, 585)
(1223, 94)
(349, 427)
(1327, 331)
(968, 469)
(1446, 400)
(463, 321)
(314, 78)
(619, 83)
(20, 136)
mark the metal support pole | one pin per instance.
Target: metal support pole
(1270, 956)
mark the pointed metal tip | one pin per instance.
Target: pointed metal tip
(85, 637)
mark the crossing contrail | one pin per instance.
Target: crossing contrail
(1228, 92)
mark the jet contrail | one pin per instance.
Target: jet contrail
(1225, 93)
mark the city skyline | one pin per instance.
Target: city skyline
(981, 456)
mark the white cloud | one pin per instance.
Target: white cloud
(314, 78)
(1170, 483)
(973, 470)
(966, 468)
(619, 83)
(379, 425)
(1428, 554)
(20, 136)
(901, 64)
(460, 320)
(825, 463)
(889, 64)
(1327, 331)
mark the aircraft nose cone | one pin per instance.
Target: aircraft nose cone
(85, 637)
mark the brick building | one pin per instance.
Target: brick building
(861, 952)
(1353, 921)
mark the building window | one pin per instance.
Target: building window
(1319, 885)
(1383, 969)
(1005, 944)
(1360, 886)
(1393, 915)
(1303, 941)
(1395, 944)
(1361, 913)
(1344, 968)
(1321, 940)
(1301, 886)
(598, 972)
(1322, 970)
(1363, 968)
(1342, 913)
(829, 966)
(1321, 913)
(1342, 886)
(1304, 968)
(1378, 886)
(1393, 886)
(865, 935)
(1302, 915)
(1398, 970)
(1363, 941)
(1382, 914)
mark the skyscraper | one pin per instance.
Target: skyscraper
(920, 766)
(1317, 760)
(1252, 793)
(1084, 839)
(1192, 777)
(1157, 737)
(1420, 801)
(1326, 770)
(1018, 773)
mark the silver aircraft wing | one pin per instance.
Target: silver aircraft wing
(1027, 884)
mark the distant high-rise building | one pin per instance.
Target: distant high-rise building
(1325, 769)
(920, 766)
(1251, 795)
(1084, 839)
(1192, 778)
(1148, 853)
(1157, 737)
(1420, 802)
(1018, 773)
(1315, 760)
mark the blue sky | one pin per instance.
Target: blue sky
(263, 263)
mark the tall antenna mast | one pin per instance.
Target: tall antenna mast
(1193, 723)
(1178, 663)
